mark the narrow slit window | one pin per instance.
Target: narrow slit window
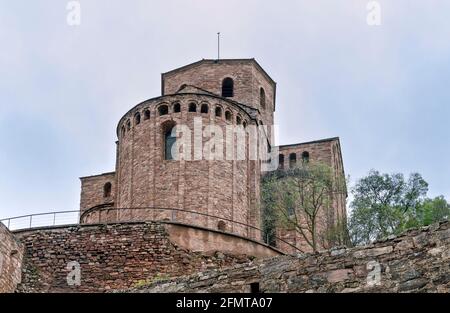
(169, 143)
(262, 99)
(107, 190)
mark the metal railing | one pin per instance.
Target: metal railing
(42, 220)
(96, 215)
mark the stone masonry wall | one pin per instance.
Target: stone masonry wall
(219, 194)
(92, 190)
(326, 151)
(222, 188)
(248, 78)
(97, 258)
(11, 253)
(417, 261)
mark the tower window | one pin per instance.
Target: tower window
(146, 114)
(204, 108)
(163, 110)
(137, 118)
(228, 115)
(292, 160)
(169, 142)
(244, 124)
(228, 88)
(128, 125)
(123, 131)
(176, 108)
(192, 107)
(262, 99)
(218, 112)
(238, 120)
(281, 161)
(305, 157)
(107, 190)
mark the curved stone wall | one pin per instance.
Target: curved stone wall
(226, 188)
(97, 258)
(417, 261)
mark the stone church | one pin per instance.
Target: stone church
(222, 193)
(182, 211)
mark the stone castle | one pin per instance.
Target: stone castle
(221, 193)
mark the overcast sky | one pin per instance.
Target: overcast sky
(384, 90)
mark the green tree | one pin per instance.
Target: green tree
(428, 212)
(269, 216)
(300, 199)
(388, 204)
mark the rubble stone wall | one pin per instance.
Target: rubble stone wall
(11, 253)
(97, 258)
(417, 261)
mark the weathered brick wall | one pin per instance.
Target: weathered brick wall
(247, 75)
(326, 151)
(113, 256)
(417, 261)
(337, 163)
(11, 253)
(92, 190)
(318, 151)
(260, 81)
(227, 188)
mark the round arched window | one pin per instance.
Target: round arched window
(228, 88)
(107, 190)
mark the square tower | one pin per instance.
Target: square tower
(240, 80)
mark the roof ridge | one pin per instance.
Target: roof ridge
(218, 61)
(310, 142)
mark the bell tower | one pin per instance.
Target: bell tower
(240, 80)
